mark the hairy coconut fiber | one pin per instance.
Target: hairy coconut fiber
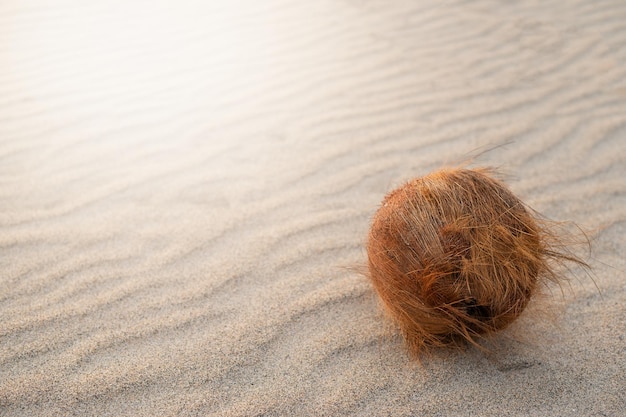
(455, 255)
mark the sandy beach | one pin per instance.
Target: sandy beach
(186, 189)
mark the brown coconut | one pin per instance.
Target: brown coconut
(455, 256)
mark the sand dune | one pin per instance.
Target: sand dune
(186, 188)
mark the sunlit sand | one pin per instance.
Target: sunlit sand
(186, 190)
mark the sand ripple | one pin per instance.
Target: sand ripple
(185, 190)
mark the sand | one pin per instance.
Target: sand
(186, 189)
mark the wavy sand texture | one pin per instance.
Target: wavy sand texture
(182, 186)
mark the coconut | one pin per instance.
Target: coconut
(455, 256)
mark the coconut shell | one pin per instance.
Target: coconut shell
(455, 255)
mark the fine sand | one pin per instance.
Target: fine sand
(186, 189)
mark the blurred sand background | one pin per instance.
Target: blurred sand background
(186, 189)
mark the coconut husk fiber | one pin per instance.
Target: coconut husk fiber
(455, 256)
